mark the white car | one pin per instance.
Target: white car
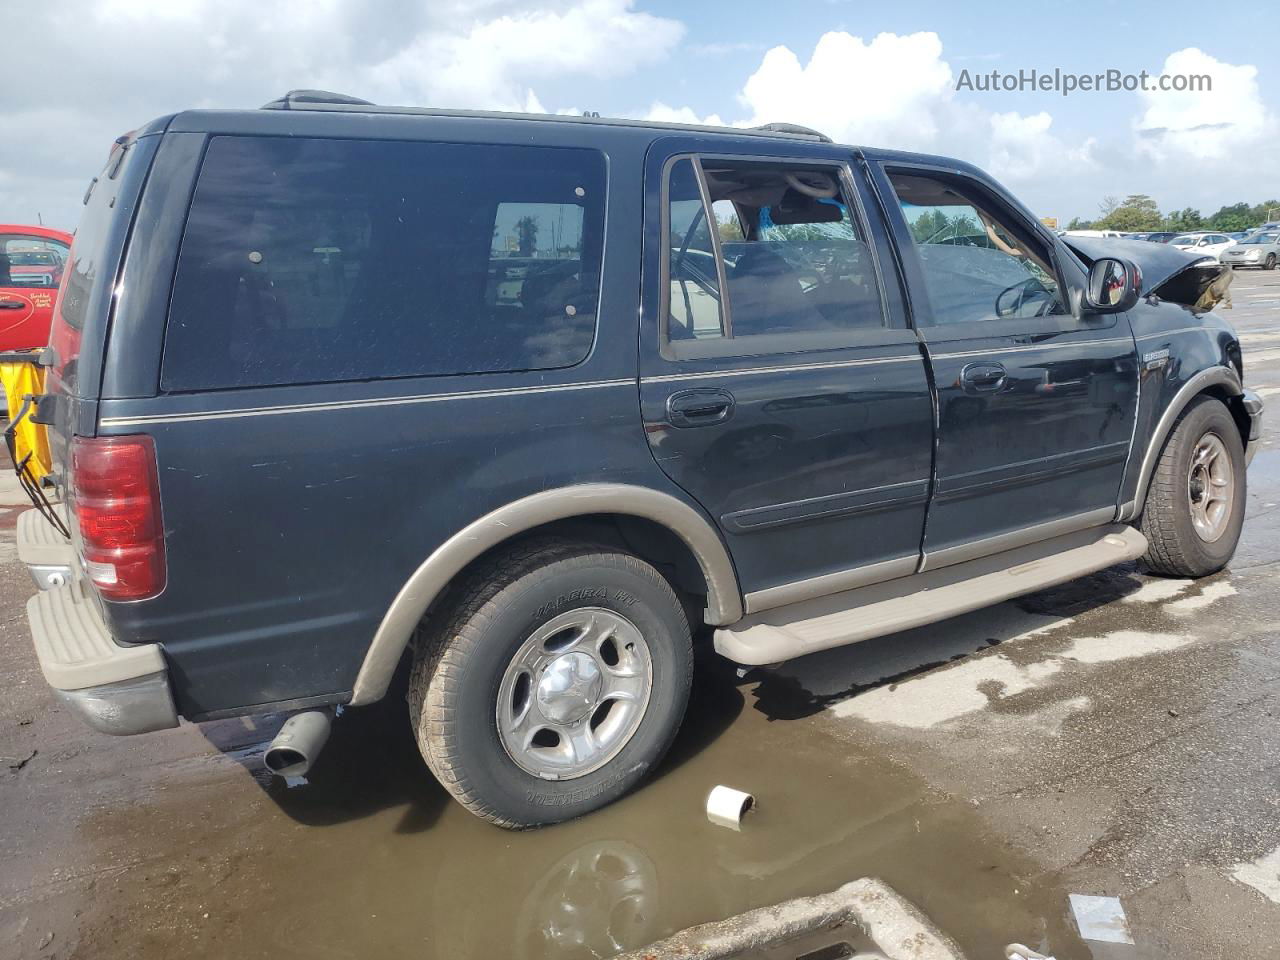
(1209, 244)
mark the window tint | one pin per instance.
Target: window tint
(31, 261)
(311, 261)
(976, 266)
(795, 265)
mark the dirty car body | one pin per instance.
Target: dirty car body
(513, 398)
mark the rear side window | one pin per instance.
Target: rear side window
(315, 261)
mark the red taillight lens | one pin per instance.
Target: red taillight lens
(116, 494)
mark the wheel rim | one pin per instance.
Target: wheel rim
(1210, 489)
(574, 693)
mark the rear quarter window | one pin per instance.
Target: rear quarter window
(314, 261)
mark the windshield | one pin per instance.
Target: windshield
(1262, 238)
(1187, 240)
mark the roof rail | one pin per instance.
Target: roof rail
(793, 128)
(293, 97)
(323, 100)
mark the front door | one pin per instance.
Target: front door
(31, 269)
(1035, 404)
(780, 385)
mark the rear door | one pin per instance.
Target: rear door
(31, 267)
(781, 387)
(1035, 403)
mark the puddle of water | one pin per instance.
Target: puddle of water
(1262, 874)
(370, 858)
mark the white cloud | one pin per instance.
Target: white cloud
(661, 113)
(891, 90)
(1204, 124)
(490, 64)
(123, 62)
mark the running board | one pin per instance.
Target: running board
(884, 608)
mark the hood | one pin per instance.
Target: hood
(1159, 262)
(1191, 279)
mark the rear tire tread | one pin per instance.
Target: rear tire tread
(441, 652)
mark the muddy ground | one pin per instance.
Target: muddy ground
(1115, 736)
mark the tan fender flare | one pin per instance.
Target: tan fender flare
(724, 601)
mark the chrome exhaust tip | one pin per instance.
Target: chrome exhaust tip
(298, 743)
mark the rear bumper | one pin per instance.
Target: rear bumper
(48, 555)
(115, 689)
(1253, 408)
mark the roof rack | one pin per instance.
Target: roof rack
(793, 129)
(324, 100)
(295, 98)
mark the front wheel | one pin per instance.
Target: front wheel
(555, 684)
(1271, 262)
(1195, 504)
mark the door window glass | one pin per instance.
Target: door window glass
(32, 262)
(794, 262)
(976, 266)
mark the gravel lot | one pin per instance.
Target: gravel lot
(1114, 736)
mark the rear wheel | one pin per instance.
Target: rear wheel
(555, 684)
(1195, 504)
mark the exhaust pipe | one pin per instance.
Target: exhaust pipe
(298, 743)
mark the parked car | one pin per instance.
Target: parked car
(1259, 250)
(32, 260)
(1159, 236)
(330, 423)
(1095, 234)
(1204, 244)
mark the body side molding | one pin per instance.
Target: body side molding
(724, 603)
(1222, 376)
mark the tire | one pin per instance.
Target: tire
(1271, 262)
(530, 604)
(1176, 546)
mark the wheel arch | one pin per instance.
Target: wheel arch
(1220, 382)
(545, 510)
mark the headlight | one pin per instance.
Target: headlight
(1252, 255)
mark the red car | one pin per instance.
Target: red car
(32, 261)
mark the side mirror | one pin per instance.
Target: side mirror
(1114, 286)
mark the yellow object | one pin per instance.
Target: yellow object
(29, 438)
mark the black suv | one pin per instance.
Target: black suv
(531, 400)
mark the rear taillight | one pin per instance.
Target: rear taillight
(116, 493)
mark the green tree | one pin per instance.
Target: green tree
(527, 236)
(1266, 211)
(1238, 216)
(1137, 212)
(1079, 223)
(1182, 220)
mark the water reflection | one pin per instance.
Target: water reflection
(595, 902)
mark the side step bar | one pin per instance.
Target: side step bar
(884, 608)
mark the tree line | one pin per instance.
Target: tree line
(1139, 212)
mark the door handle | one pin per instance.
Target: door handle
(983, 377)
(699, 408)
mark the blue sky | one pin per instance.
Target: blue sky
(876, 73)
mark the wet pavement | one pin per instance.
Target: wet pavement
(1115, 736)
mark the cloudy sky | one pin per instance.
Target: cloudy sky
(81, 72)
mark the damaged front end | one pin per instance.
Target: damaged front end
(1169, 274)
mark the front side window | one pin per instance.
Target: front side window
(784, 244)
(976, 266)
(316, 261)
(31, 262)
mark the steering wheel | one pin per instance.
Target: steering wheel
(1023, 291)
(827, 189)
